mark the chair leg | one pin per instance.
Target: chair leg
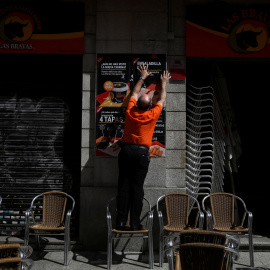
(144, 244)
(177, 261)
(37, 241)
(109, 251)
(170, 259)
(170, 252)
(228, 262)
(251, 248)
(66, 246)
(161, 249)
(26, 236)
(151, 252)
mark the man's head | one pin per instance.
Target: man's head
(144, 102)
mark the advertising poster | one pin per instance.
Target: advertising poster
(117, 75)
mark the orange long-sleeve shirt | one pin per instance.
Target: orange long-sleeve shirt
(140, 125)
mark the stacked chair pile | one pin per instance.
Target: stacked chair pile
(205, 146)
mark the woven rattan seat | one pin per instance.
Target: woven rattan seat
(55, 217)
(47, 228)
(145, 233)
(173, 209)
(219, 209)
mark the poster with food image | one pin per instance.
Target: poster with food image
(117, 75)
(114, 75)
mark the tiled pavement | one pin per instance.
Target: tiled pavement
(52, 259)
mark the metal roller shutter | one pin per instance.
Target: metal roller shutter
(40, 122)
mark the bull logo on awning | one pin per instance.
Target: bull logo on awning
(248, 36)
(16, 27)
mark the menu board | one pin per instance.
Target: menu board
(117, 75)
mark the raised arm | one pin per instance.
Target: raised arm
(164, 78)
(144, 74)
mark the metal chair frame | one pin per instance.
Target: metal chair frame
(37, 232)
(146, 234)
(165, 238)
(211, 226)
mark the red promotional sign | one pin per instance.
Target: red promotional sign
(238, 32)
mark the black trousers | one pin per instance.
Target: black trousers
(133, 163)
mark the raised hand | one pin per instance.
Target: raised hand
(144, 71)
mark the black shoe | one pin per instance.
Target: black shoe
(121, 226)
(136, 228)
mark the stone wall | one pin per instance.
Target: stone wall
(129, 27)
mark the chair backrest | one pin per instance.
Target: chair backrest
(177, 208)
(11, 263)
(203, 236)
(9, 250)
(222, 206)
(201, 256)
(54, 206)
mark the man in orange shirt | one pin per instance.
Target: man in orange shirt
(134, 158)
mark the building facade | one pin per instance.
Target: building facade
(70, 81)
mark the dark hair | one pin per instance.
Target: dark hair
(143, 107)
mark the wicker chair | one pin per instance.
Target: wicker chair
(15, 263)
(15, 250)
(145, 234)
(176, 211)
(204, 256)
(14, 256)
(55, 218)
(210, 237)
(221, 217)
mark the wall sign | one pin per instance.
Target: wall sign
(177, 69)
(117, 75)
(41, 29)
(227, 31)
